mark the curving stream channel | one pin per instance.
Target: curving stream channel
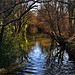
(42, 61)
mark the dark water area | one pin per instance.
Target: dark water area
(41, 61)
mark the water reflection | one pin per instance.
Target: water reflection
(37, 61)
(41, 61)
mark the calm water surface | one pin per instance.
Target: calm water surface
(42, 61)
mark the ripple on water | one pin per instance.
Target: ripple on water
(40, 63)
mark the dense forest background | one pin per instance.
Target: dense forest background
(20, 17)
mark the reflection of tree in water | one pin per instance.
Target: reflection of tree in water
(24, 49)
(42, 61)
(56, 60)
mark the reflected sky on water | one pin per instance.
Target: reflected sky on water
(41, 61)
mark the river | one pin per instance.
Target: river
(43, 61)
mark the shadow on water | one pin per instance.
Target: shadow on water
(43, 61)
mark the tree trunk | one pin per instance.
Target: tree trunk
(1, 34)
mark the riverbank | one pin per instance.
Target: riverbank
(10, 69)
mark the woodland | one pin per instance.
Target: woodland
(19, 18)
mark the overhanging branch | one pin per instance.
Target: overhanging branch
(13, 6)
(30, 7)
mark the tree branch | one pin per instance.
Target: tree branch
(13, 6)
(30, 7)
